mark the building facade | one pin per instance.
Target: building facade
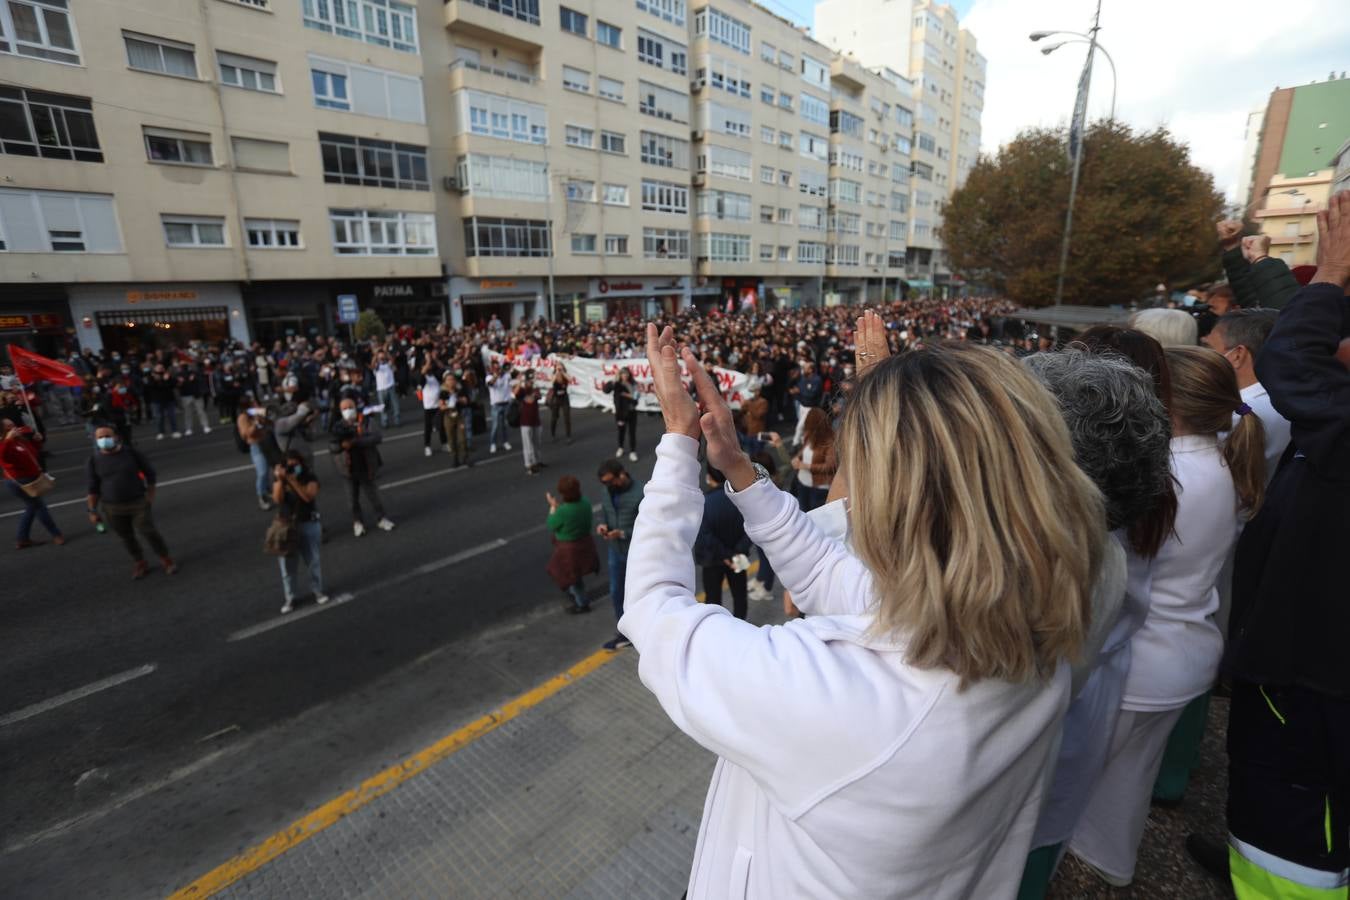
(924, 41)
(196, 169)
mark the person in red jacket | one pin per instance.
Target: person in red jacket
(20, 463)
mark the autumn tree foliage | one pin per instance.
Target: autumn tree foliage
(1144, 215)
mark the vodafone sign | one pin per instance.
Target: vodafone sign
(634, 287)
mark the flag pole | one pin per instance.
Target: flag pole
(1078, 128)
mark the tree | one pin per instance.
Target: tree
(369, 325)
(1144, 215)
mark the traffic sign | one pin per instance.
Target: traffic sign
(348, 312)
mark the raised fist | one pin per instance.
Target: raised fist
(1230, 233)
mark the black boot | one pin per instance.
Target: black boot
(1210, 854)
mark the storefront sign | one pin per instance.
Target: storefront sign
(48, 320)
(487, 285)
(392, 290)
(587, 378)
(629, 287)
(13, 321)
(151, 296)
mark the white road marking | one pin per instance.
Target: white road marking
(303, 613)
(79, 693)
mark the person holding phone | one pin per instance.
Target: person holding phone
(295, 490)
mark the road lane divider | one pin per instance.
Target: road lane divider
(78, 693)
(377, 786)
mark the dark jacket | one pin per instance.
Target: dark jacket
(721, 534)
(620, 511)
(1290, 613)
(810, 390)
(1267, 284)
(625, 398)
(363, 457)
(120, 477)
(160, 390)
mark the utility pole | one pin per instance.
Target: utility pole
(1077, 133)
(548, 223)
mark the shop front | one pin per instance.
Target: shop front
(36, 318)
(733, 295)
(636, 298)
(474, 301)
(138, 318)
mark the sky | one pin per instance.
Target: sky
(1194, 67)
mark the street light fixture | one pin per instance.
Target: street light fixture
(1114, 79)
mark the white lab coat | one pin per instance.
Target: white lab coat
(843, 771)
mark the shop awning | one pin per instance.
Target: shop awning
(156, 316)
(1076, 317)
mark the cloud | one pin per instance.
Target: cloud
(1195, 68)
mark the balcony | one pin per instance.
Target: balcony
(512, 22)
(466, 73)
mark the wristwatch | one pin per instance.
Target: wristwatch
(761, 474)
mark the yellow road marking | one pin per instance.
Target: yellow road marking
(378, 785)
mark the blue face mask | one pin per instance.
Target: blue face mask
(106, 443)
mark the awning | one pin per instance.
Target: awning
(1076, 317)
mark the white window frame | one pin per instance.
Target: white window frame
(384, 23)
(195, 223)
(43, 49)
(55, 144)
(574, 79)
(653, 237)
(729, 206)
(663, 150)
(663, 103)
(726, 162)
(672, 11)
(503, 177)
(424, 223)
(724, 246)
(614, 194)
(162, 44)
(811, 252)
(568, 15)
(665, 197)
(502, 117)
(616, 245)
(601, 26)
(282, 234)
(578, 190)
(579, 136)
(723, 29)
(609, 88)
(814, 109)
(34, 198)
(180, 140)
(329, 98)
(608, 140)
(388, 77)
(258, 68)
(584, 239)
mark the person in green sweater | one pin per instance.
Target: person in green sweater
(574, 556)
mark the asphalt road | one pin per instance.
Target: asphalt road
(148, 729)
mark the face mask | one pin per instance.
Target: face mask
(106, 443)
(297, 469)
(349, 414)
(288, 394)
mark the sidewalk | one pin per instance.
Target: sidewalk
(591, 792)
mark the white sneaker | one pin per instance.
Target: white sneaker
(426, 451)
(206, 429)
(385, 525)
(358, 529)
(632, 457)
(506, 444)
(618, 454)
(187, 433)
(178, 434)
(320, 599)
(160, 436)
(492, 448)
(285, 607)
(758, 592)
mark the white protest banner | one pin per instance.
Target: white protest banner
(587, 379)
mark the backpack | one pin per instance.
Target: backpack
(513, 414)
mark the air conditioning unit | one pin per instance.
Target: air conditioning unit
(700, 179)
(697, 85)
(451, 183)
(697, 135)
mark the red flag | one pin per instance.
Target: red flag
(30, 368)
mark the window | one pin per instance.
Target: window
(665, 151)
(576, 79)
(665, 243)
(194, 231)
(785, 102)
(766, 214)
(921, 170)
(767, 94)
(786, 62)
(926, 142)
(903, 144)
(611, 89)
(815, 72)
(842, 254)
(580, 191)
(845, 222)
(502, 177)
(767, 174)
(613, 142)
(843, 122)
(662, 52)
(616, 245)
(768, 135)
(767, 52)
(383, 22)
(330, 90)
(784, 216)
(261, 156)
(785, 178)
(272, 234)
(724, 205)
(506, 237)
(815, 184)
(583, 243)
(725, 162)
(766, 252)
(725, 120)
(814, 146)
(502, 117)
(845, 158)
(614, 194)
(815, 110)
(42, 29)
(843, 190)
(897, 231)
(810, 252)
(719, 246)
(664, 196)
(52, 126)
(609, 35)
(725, 75)
(784, 253)
(524, 10)
(573, 21)
(382, 232)
(57, 222)
(373, 163)
(367, 90)
(723, 29)
(663, 103)
(670, 10)
(186, 147)
(152, 54)
(576, 136)
(810, 218)
(247, 73)
(785, 140)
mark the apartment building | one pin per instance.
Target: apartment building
(179, 169)
(923, 41)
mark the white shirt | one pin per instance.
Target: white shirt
(499, 387)
(1276, 425)
(804, 473)
(1175, 655)
(431, 392)
(843, 771)
(384, 377)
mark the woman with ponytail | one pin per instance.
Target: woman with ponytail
(1175, 655)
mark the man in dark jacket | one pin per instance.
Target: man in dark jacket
(721, 538)
(355, 446)
(1289, 719)
(123, 481)
(620, 508)
(1257, 278)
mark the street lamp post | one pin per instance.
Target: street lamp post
(1053, 47)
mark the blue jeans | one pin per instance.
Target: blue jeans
(499, 424)
(167, 411)
(309, 535)
(263, 471)
(33, 508)
(618, 569)
(389, 398)
(765, 570)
